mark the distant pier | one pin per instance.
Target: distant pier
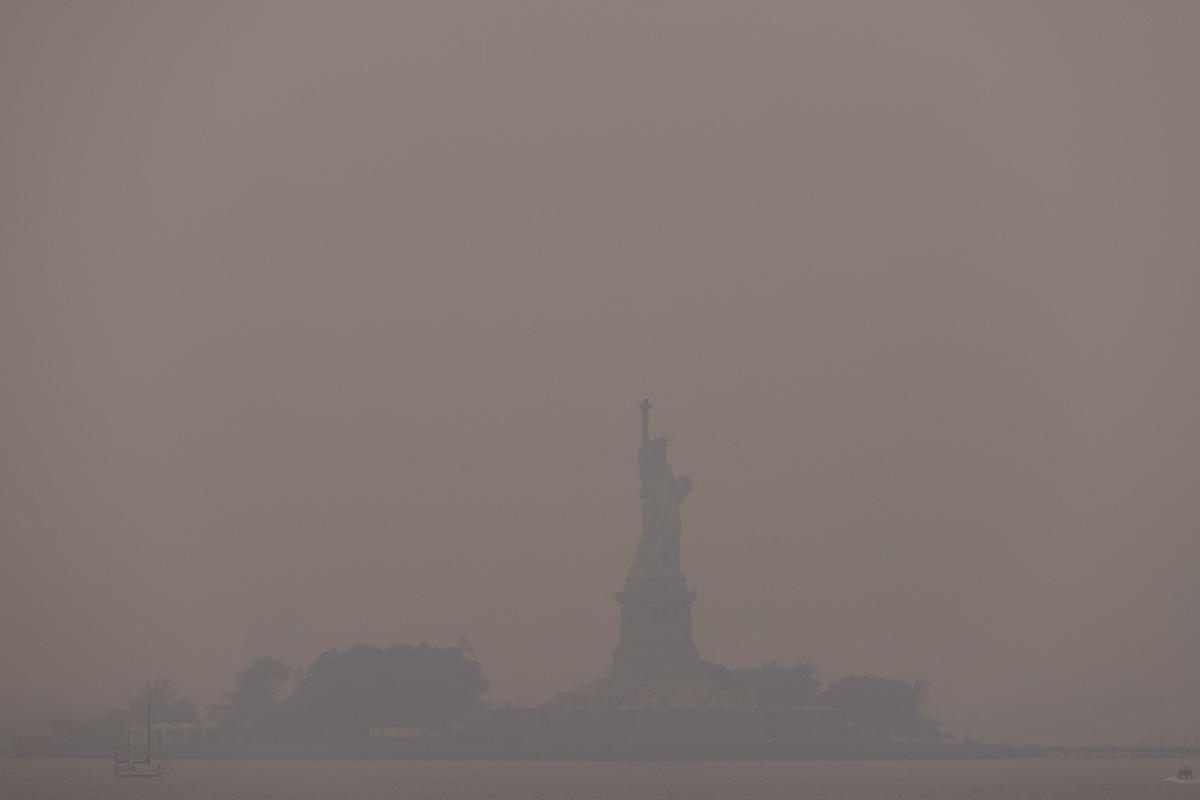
(1169, 751)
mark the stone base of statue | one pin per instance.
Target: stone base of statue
(656, 631)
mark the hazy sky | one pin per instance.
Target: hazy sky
(325, 323)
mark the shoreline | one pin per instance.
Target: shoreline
(447, 750)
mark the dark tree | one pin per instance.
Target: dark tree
(345, 693)
(883, 706)
(166, 704)
(256, 697)
(772, 684)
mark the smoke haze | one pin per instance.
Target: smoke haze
(325, 323)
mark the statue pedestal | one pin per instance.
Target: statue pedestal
(656, 630)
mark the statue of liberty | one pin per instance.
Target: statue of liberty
(658, 548)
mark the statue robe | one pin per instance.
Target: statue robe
(661, 495)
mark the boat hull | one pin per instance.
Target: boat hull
(126, 770)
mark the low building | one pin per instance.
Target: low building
(399, 733)
(657, 725)
(171, 735)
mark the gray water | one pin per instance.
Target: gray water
(65, 779)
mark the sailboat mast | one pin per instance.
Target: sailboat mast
(149, 738)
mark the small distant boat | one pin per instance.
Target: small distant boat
(148, 768)
(138, 769)
(1183, 776)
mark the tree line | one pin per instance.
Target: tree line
(344, 693)
(872, 705)
(340, 696)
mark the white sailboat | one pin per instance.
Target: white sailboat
(148, 768)
(1184, 775)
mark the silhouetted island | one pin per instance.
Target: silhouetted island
(659, 699)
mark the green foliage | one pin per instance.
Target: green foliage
(345, 693)
(772, 684)
(166, 704)
(256, 697)
(883, 706)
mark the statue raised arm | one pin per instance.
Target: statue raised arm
(646, 420)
